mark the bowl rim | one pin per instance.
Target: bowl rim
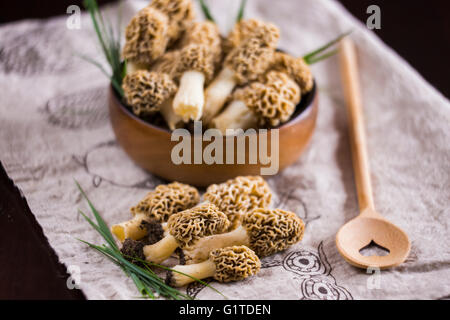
(309, 100)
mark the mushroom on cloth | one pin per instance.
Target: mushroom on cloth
(266, 231)
(238, 196)
(224, 265)
(185, 228)
(158, 205)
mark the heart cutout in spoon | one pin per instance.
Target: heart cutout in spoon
(374, 249)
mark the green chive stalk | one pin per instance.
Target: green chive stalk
(109, 39)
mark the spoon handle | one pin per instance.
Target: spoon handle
(349, 72)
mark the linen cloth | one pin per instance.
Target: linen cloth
(54, 128)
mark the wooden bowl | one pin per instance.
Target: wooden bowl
(150, 146)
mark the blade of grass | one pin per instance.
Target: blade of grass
(143, 289)
(96, 227)
(98, 65)
(312, 54)
(101, 223)
(206, 11)
(109, 42)
(91, 6)
(322, 57)
(241, 12)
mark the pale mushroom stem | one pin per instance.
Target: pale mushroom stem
(161, 250)
(172, 119)
(165, 228)
(217, 93)
(200, 270)
(189, 100)
(131, 229)
(134, 66)
(236, 116)
(205, 245)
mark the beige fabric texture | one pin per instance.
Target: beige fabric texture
(54, 128)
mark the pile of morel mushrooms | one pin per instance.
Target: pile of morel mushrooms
(223, 236)
(185, 71)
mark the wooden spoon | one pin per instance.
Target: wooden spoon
(369, 225)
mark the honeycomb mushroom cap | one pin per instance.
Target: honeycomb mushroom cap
(180, 14)
(240, 32)
(145, 91)
(234, 263)
(273, 101)
(195, 58)
(255, 55)
(271, 231)
(167, 200)
(204, 33)
(146, 36)
(297, 68)
(237, 196)
(167, 63)
(190, 225)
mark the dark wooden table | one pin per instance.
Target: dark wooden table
(29, 268)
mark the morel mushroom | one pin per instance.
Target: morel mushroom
(146, 38)
(145, 91)
(201, 52)
(205, 33)
(168, 64)
(185, 228)
(265, 231)
(296, 68)
(269, 103)
(224, 265)
(243, 64)
(195, 66)
(180, 14)
(241, 31)
(237, 196)
(158, 205)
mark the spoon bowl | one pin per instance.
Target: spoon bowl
(371, 227)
